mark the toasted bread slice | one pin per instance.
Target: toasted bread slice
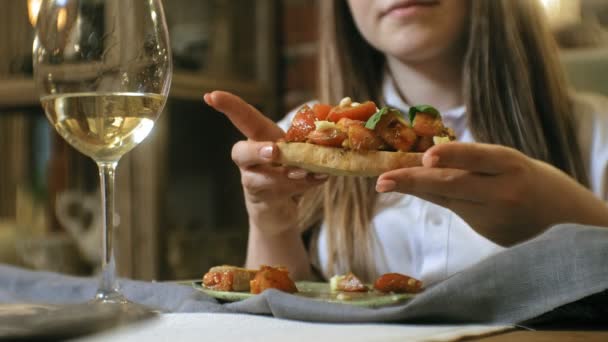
(342, 162)
(228, 278)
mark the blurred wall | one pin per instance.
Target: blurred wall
(300, 27)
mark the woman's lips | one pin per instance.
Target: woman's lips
(409, 7)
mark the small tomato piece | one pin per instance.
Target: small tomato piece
(397, 283)
(361, 138)
(332, 137)
(396, 133)
(427, 125)
(345, 123)
(361, 112)
(321, 110)
(272, 278)
(302, 124)
(423, 144)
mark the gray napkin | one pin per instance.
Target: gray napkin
(560, 269)
(24, 286)
(52, 307)
(563, 265)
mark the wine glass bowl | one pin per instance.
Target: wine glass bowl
(103, 71)
(124, 120)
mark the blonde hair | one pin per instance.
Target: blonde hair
(515, 92)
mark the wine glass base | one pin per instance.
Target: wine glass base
(59, 322)
(113, 297)
(121, 304)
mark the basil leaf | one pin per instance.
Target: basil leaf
(374, 119)
(422, 109)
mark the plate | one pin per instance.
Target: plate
(321, 292)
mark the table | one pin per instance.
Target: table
(546, 336)
(243, 327)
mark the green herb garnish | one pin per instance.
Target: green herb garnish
(374, 119)
(422, 109)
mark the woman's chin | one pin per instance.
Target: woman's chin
(413, 51)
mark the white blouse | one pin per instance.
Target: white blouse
(431, 243)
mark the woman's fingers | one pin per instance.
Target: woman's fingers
(250, 153)
(253, 124)
(264, 182)
(475, 157)
(446, 183)
(461, 207)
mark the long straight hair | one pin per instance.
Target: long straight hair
(515, 94)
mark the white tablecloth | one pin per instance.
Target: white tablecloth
(242, 327)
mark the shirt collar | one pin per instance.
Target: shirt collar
(392, 99)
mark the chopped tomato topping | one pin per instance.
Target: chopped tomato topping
(361, 138)
(332, 137)
(321, 110)
(344, 123)
(398, 283)
(303, 123)
(396, 133)
(344, 126)
(423, 144)
(361, 112)
(272, 278)
(427, 125)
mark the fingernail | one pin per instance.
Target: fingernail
(266, 152)
(386, 185)
(320, 176)
(297, 174)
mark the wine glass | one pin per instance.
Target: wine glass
(103, 69)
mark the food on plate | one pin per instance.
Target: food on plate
(358, 139)
(228, 278)
(347, 283)
(272, 277)
(386, 283)
(397, 283)
(237, 279)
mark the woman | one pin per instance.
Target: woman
(526, 161)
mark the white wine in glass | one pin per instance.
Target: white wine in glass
(103, 70)
(120, 120)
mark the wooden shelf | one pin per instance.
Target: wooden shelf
(240, 38)
(192, 87)
(21, 92)
(18, 92)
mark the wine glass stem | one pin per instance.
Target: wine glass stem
(108, 286)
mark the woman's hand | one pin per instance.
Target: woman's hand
(271, 191)
(501, 193)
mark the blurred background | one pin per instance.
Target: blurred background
(178, 194)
